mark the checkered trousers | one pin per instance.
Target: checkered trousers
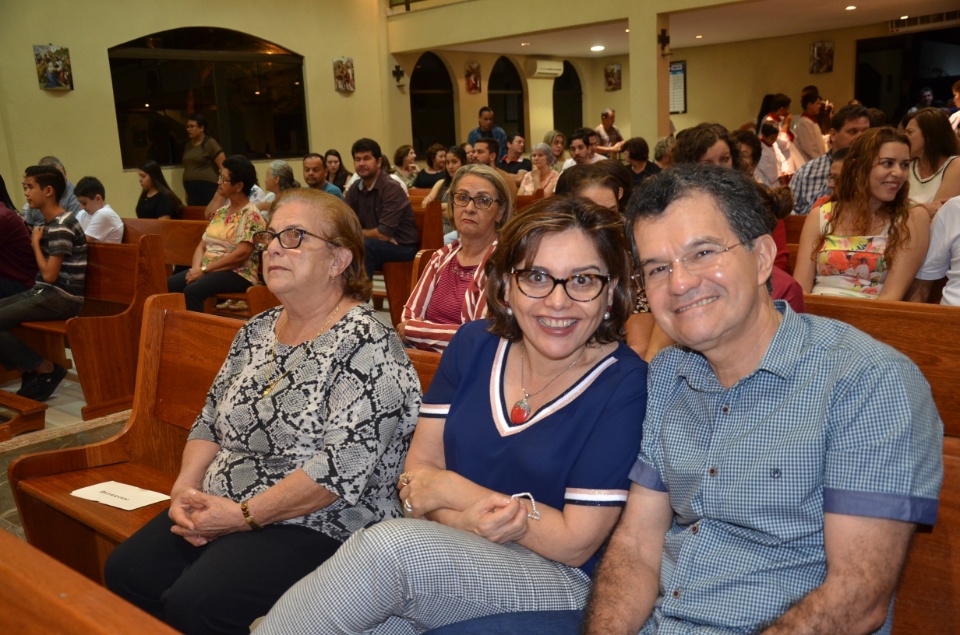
(408, 576)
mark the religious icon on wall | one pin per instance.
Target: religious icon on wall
(343, 77)
(821, 57)
(612, 77)
(472, 74)
(53, 67)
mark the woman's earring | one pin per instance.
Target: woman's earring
(509, 311)
(606, 315)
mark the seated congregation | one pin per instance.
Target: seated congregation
(667, 443)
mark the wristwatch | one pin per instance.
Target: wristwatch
(203, 268)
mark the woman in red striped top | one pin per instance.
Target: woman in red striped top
(450, 291)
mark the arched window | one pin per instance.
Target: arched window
(506, 97)
(249, 90)
(431, 105)
(567, 100)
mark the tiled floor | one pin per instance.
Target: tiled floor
(63, 428)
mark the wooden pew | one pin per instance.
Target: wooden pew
(526, 200)
(179, 237)
(794, 224)
(928, 599)
(396, 275)
(927, 334)
(425, 363)
(104, 337)
(417, 194)
(41, 596)
(194, 212)
(180, 353)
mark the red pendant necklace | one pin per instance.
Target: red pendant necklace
(521, 409)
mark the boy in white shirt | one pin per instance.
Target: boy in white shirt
(100, 223)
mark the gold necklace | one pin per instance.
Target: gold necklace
(521, 409)
(306, 349)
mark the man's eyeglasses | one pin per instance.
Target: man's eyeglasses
(223, 179)
(581, 287)
(289, 238)
(482, 203)
(701, 261)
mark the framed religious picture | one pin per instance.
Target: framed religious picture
(53, 67)
(612, 77)
(472, 74)
(343, 77)
(821, 57)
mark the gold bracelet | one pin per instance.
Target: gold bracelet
(247, 517)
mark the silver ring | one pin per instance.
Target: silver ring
(408, 506)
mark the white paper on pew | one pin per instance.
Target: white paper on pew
(120, 495)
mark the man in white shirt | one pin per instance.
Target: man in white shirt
(583, 148)
(943, 257)
(100, 223)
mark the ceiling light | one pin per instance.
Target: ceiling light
(256, 92)
(626, 30)
(699, 37)
(597, 48)
(851, 8)
(904, 17)
(524, 43)
(146, 105)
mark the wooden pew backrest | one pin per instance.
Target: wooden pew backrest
(928, 334)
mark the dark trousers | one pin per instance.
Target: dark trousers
(380, 251)
(199, 192)
(207, 285)
(10, 287)
(527, 623)
(30, 306)
(221, 587)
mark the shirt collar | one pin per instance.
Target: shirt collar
(780, 359)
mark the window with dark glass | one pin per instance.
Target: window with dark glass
(431, 104)
(506, 97)
(249, 90)
(567, 101)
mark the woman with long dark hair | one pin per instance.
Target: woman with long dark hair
(934, 171)
(156, 200)
(337, 172)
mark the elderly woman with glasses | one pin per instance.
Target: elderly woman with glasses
(299, 445)
(519, 465)
(450, 290)
(224, 261)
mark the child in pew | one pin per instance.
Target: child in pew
(100, 223)
(60, 247)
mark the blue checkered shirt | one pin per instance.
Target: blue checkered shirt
(830, 421)
(497, 133)
(810, 183)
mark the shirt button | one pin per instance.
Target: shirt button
(676, 593)
(725, 410)
(695, 529)
(712, 471)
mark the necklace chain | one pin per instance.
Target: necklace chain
(521, 409)
(303, 353)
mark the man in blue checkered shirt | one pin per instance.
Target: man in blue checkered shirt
(810, 181)
(786, 458)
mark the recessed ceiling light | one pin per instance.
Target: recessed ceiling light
(904, 17)
(597, 48)
(256, 92)
(851, 8)
(146, 105)
(524, 43)
(699, 37)
(626, 30)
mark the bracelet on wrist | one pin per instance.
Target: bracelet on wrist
(536, 514)
(248, 517)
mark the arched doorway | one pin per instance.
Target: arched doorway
(506, 97)
(431, 104)
(567, 100)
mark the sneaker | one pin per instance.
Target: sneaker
(45, 383)
(225, 305)
(27, 378)
(240, 305)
